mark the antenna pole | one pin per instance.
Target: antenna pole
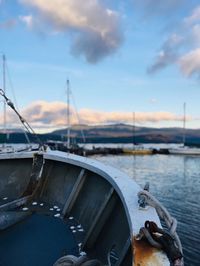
(68, 115)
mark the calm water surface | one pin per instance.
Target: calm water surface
(175, 181)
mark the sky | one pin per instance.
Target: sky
(121, 57)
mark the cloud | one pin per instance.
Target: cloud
(5, 21)
(28, 20)
(182, 47)
(194, 17)
(159, 7)
(42, 114)
(91, 116)
(94, 29)
(8, 24)
(45, 113)
(162, 60)
(153, 100)
(168, 53)
(190, 63)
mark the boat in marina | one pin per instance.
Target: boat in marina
(138, 151)
(68, 145)
(96, 207)
(183, 149)
(61, 209)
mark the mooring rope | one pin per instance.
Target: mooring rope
(146, 198)
(71, 260)
(162, 213)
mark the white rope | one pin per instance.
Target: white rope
(70, 260)
(163, 214)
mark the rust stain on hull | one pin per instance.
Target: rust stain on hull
(146, 255)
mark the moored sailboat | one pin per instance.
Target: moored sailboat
(183, 149)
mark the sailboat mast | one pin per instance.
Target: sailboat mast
(184, 122)
(68, 115)
(133, 129)
(4, 89)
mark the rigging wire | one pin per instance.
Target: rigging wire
(11, 85)
(75, 113)
(5, 71)
(23, 121)
(14, 97)
(78, 117)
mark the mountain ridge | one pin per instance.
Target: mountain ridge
(115, 133)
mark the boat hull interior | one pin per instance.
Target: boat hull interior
(51, 208)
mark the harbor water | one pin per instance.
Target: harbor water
(175, 182)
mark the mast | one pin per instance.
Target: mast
(184, 122)
(4, 89)
(133, 129)
(68, 115)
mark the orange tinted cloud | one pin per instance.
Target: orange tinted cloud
(42, 114)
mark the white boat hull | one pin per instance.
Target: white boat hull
(185, 151)
(102, 199)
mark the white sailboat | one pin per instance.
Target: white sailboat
(183, 149)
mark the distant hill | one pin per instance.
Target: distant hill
(127, 133)
(117, 133)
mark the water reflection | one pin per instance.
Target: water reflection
(175, 181)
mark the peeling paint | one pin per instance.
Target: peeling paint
(146, 255)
